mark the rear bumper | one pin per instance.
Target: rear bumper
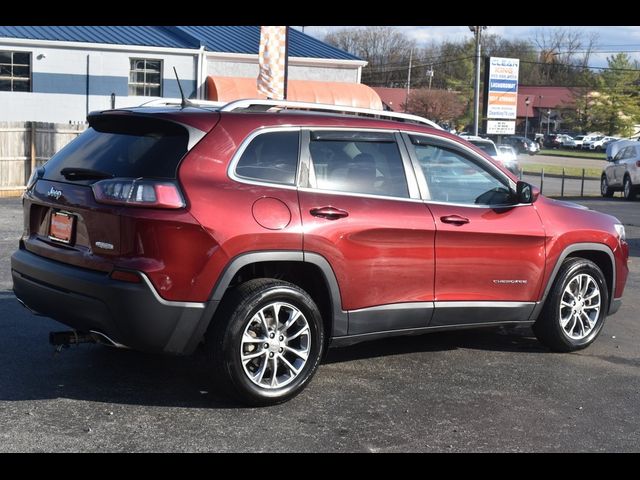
(132, 314)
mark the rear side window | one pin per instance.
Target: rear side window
(271, 157)
(124, 147)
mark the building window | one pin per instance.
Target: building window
(145, 78)
(15, 71)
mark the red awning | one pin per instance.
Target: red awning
(226, 89)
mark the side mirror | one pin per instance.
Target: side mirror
(609, 158)
(526, 193)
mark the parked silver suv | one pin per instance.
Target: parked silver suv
(623, 171)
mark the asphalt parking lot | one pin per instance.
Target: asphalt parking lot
(472, 391)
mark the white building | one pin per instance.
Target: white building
(59, 74)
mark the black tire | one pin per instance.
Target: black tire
(548, 328)
(628, 190)
(605, 189)
(223, 343)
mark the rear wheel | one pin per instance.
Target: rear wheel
(605, 190)
(628, 189)
(265, 342)
(576, 307)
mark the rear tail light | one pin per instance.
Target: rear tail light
(136, 192)
(638, 163)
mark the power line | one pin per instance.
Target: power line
(581, 66)
(382, 69)
(428, 60)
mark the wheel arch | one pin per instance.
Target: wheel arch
(598, 253)
(309, 271)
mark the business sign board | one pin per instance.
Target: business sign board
(501, 127)
(502, 92)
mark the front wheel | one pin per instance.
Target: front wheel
(605, 190)
(576, 307)
(265, 342)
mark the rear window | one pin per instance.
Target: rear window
(124, 147)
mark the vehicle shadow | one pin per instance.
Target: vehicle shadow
(32, 371)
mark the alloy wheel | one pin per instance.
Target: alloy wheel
(580, 306)
(275, 345)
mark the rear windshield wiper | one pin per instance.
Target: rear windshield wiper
(71, 173)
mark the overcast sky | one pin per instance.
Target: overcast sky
(610, 39)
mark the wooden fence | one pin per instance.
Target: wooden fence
(25, 146)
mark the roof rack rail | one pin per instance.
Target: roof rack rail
(177, 101)
(264, 105)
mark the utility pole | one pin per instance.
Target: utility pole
(476, 91)
(406, 102)
(430, 75)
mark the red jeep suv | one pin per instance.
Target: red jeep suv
(266, 233)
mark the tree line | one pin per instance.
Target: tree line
(606, 100)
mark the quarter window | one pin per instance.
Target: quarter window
(453, 177)
(271, 157)
(369, 165)
(145, 77)
(15, 71)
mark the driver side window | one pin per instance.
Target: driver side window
(455, 178)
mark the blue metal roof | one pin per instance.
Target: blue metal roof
(113, 35)
(246, 39)
(227, 39)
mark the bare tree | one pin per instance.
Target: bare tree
(385, 48)
(437, 105)
(563, 54)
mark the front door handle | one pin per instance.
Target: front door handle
(454, 219)
(330, 213)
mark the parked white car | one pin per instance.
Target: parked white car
(589, 139)
(599, 144)
(489, 147)
(575, 142)
(622, 171)
(509, 158)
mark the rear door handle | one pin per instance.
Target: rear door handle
(454, 219)
(330, 213)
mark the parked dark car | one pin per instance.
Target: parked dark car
(266, 236)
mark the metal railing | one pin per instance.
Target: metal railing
(561, 185)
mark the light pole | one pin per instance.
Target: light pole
(540, 119)
(548, 120)
(526, 117)
(476, 90)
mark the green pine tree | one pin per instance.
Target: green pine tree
(615, 105)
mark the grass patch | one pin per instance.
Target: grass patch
(535, 168)
(574, 153)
